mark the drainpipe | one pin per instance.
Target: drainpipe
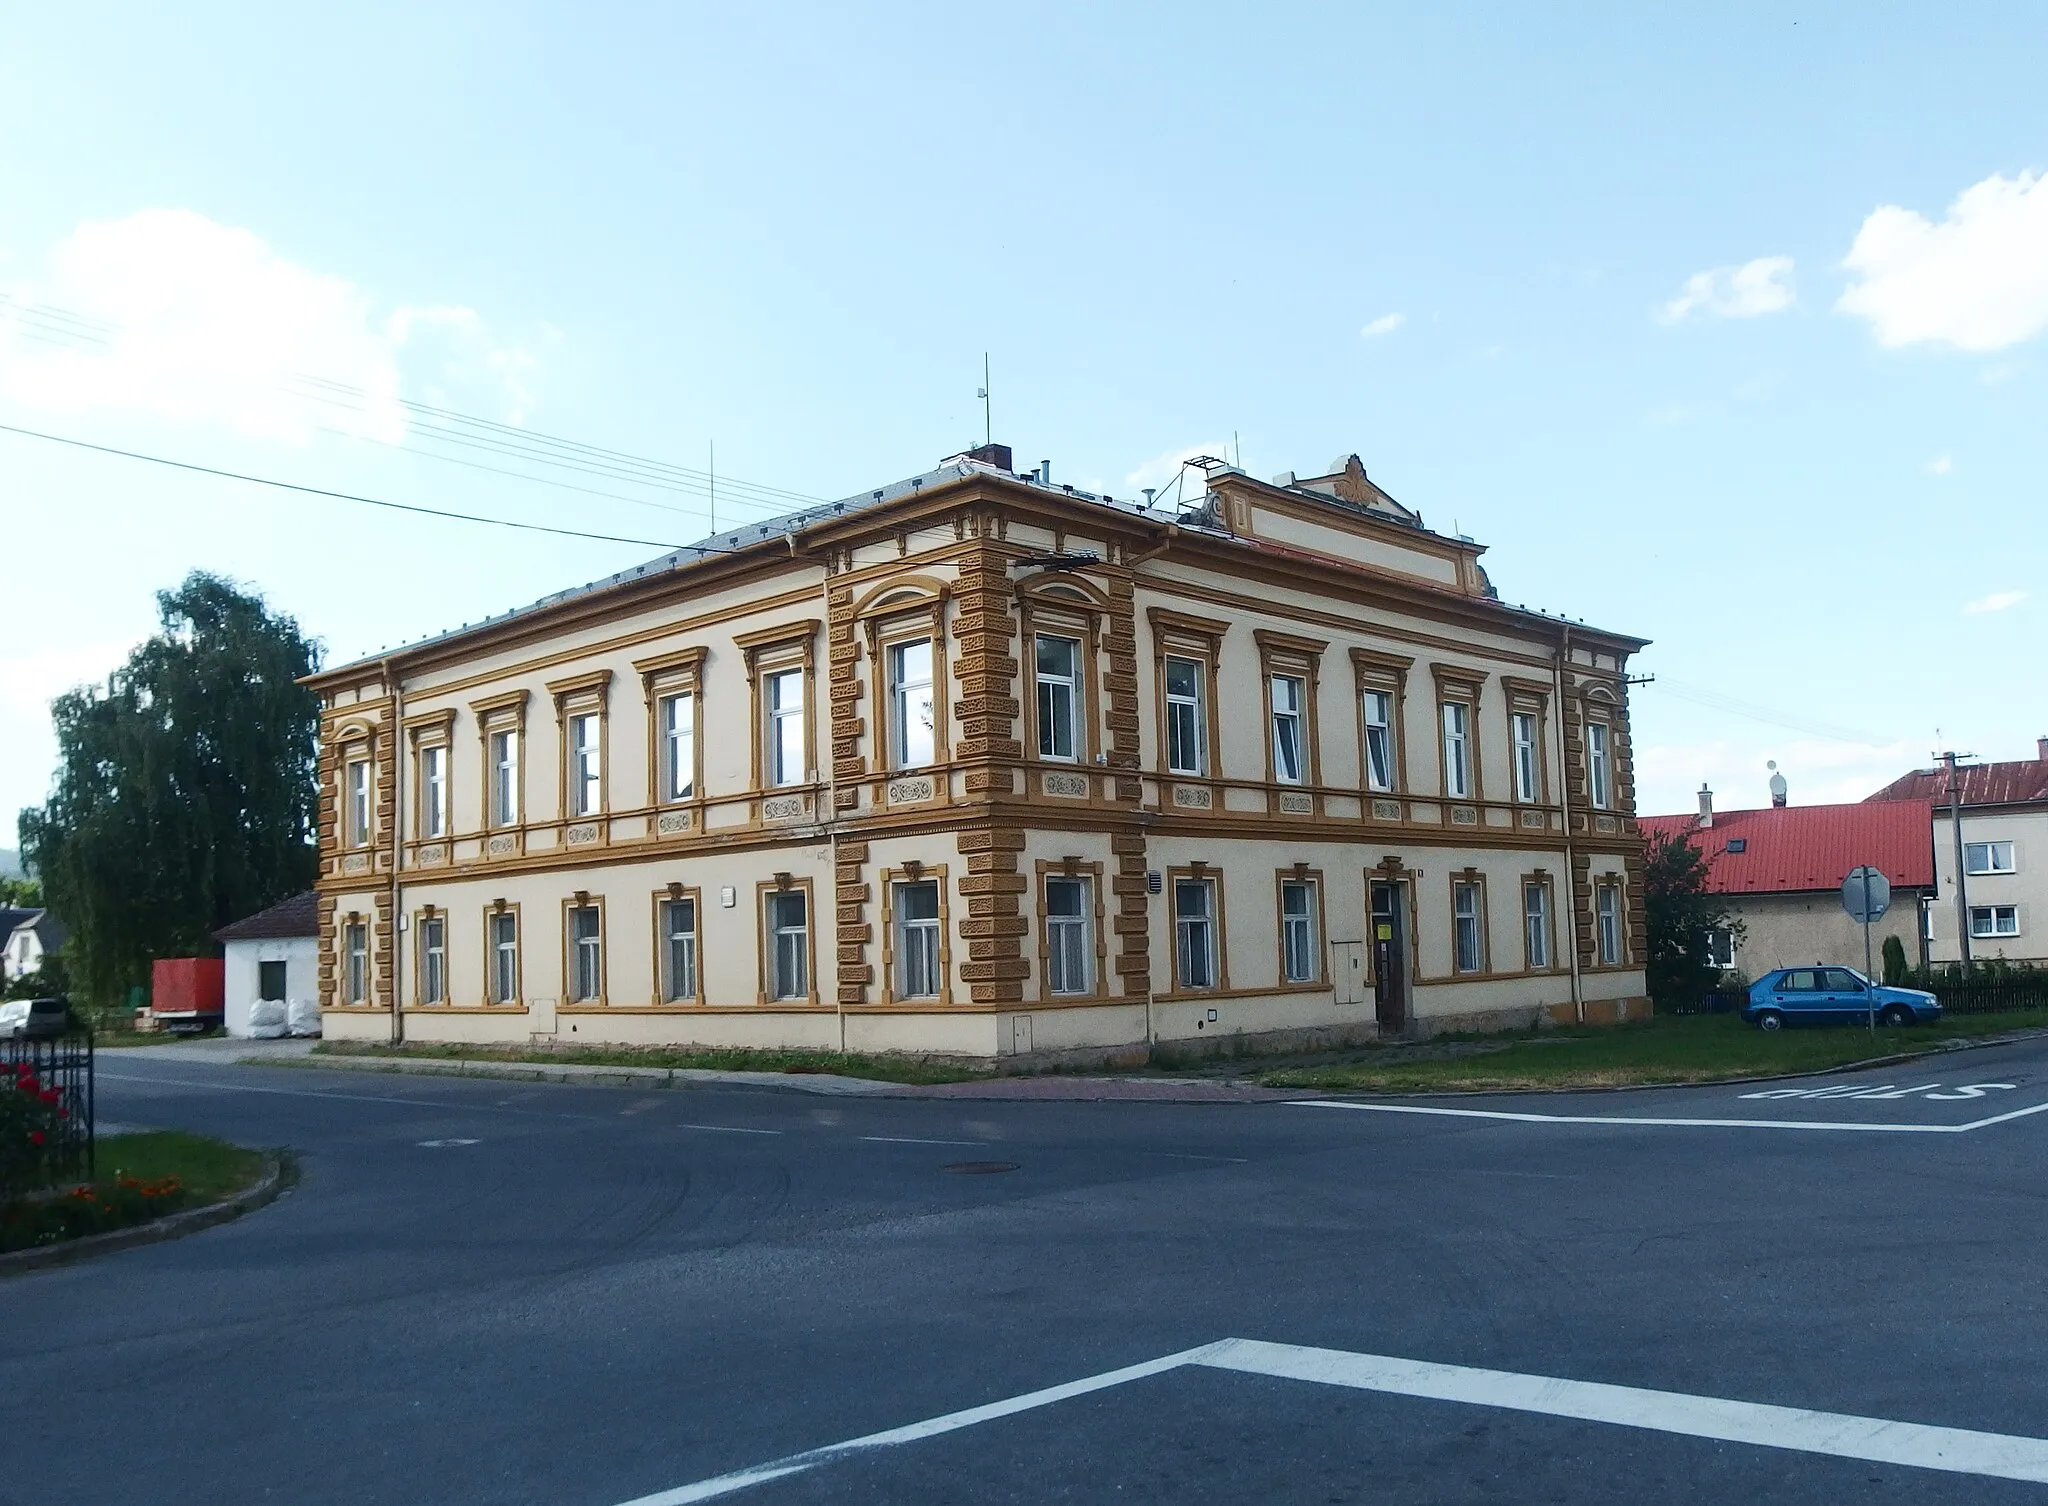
(396, 942)
(1571, 869)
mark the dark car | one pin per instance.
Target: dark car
(35, 1018)
(1824, 995)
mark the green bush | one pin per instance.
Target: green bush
(1896, 972)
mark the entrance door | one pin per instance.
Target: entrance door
(1390, 954)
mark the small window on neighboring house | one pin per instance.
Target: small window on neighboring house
(586, 948)
(1598, 784)
(504, 930)
(434, 792)
(1069, 948)
(679, 950)
(1300, 958)
(1194, 931)
(1379, 740)
(1536, 924)
(505, 778)
(678, 745)
(1059, 696)
(1457, 717)
(433, 960)
(789, 941)
(787, 763)
(1287, 694)
(270, 981)
(1468, 921)
(359, 803)
(1988, 857)
(1527, 763)
(1187, 729)
(356, 946)
(917, 939)
(1721, 948)
(1994, 920)
(911, 705)
(586, 790)
(1609, 903)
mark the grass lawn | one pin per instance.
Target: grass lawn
(1697, 1048)
(906, 1069)
(141, 1177)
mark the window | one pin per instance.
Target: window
(678, 746)
(910, 703)
(679, 950)
(1300, 960)
(586, 954)
(586, 792)
(270, 980)
(1187, 726)
(1069, 947)
(1597, 784)
(1994, 920)
(1738, 845)
(917, 940)
(356, 943)
(359, 804)
(1286, 691)
(789, 945)
(434, 792)
(1536, 924)
(1720, 947)
(786, 761)
(1059, 661)
(1457, 750)
(505, 778)
(1527, 759)
(504, 931)
(1609, 900)
(433, 960)
(1988, 857)
(1468, 927)
(1379, 740)
(1194, 932)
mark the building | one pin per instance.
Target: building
(2002, 841)
(272, 955)
(33, 936)
(1780, 872)
(979, 764)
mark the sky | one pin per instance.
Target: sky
(1724, 327)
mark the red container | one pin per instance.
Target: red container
(187, 985)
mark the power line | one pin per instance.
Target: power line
(1699, 695)
(315, 491)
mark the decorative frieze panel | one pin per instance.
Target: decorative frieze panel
(785, 807)
(671, 823)
(1070, 786)
(502, 844)
(911, 791)
(1464, 815)
(433, 854)
(1535, 819)
(355, 862)
(1386, 810)
(1192, 797)
(1297, 803)
(581, 835)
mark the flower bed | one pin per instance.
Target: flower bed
(32, 1116)
(152, 1173)
(94, 1208)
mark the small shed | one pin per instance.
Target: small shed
(274, 954)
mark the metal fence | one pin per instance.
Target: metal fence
(1992, 995)
(64, 1063)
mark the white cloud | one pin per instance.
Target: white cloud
(1762, 286)
(1977, 281)
(1997, 601)
(1940, 465)
(168, 313)
(1161, 470)
(1386, 324)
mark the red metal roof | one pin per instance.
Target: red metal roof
(1795, 848)
(1983, 783)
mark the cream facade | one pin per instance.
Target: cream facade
(981, 766)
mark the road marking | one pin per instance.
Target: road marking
(1841, 1435)
(1776, 1124)
(728, 1129)
(907, 1140)
(1886, 1091)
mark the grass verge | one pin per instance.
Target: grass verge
(1700, 1048)
(904, 1069)
(142, 1177)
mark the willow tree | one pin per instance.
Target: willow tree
(185, 789)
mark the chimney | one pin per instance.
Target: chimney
(2041, 748)
(997, 455)
(1706, 807)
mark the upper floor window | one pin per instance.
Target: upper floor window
(910, 703)
(1300, 958)
(1988, 857)
(1528, 759)
(434, 791)
(505, 778)
(1187, 722)
(1194, 932)
(359, 803)
(1457, 720)
(1069, 948)
(586, 787)
(787, 742)
(1379, 739)
(1059, 697)
(1286, 693)
(1599, 782)
(917, 940)
(1994, 920)
(1608, 901)
(678, 745)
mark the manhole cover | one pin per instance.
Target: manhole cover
(978, 1168)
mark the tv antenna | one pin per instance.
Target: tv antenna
(988, 430)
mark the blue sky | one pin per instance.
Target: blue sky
(1724, 329)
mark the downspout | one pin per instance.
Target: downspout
(1571, 869)
(1168, 537)
(397, 755)
(832, 828)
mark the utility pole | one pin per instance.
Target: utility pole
(1955, 816)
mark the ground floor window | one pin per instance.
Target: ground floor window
(1721, 947)
(356, 946)
(1299, 956)
(270, 981)
(1069, 948)
(789, 945)
(679, 950)
(1607, 898)
(1194, 932)
(1536, 924)
(1994, 920)
(917, 939)
(504, 933)
(433, 960)
(1468, 926)
(586, 953)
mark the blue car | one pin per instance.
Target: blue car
(1821, 995)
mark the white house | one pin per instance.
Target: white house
(272, 955)
(33, 934)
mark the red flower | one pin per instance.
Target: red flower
(35, 1137)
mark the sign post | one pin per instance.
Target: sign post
(1866, 895)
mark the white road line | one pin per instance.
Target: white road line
(907, 1140)
(1999, 1456)
(1780, 1124)
(728, 1129)
(706, 1490)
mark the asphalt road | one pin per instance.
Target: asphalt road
(527, 1293)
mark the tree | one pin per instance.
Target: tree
(1680, 912)
(1895, 969)
(186, 788)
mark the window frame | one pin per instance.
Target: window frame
(664, 678)
(1377, 673)
(1990, 868)
(1720, 947)
(496, 716)
(1218, 949)
(573, 996)
(431, 956)
(1457, 685)
(665, 993)
(1186, 717)
(1288, 656)
(357, 959)
(1992, 914)
(1310, 880)
(575, 698)
(1199, 641)
(1605, 891)
(359, 795)
(1540, 884)
(494, 994)
(1284, 719)
(900, 703)
(1075, 684)
(1094, 944)
(765, 929)
(789, 648)
(901, 611)
(1472, 881)
(1599, 733)
(895, 928)
(430, 739)
(507, 777)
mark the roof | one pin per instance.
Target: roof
(1792, 849)
(1983, 784)
(297, 916)
(11, 917)
(772, 532)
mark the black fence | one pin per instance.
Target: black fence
(63, 1064)
(1721, 1001)
(1992, 995)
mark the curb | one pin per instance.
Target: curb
(819, 1083)
(280, 1173)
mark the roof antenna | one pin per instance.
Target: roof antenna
(1236, 455)
(988, 428)
(714, 486)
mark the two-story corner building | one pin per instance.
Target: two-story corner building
(1993, 817)
(977, 764)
